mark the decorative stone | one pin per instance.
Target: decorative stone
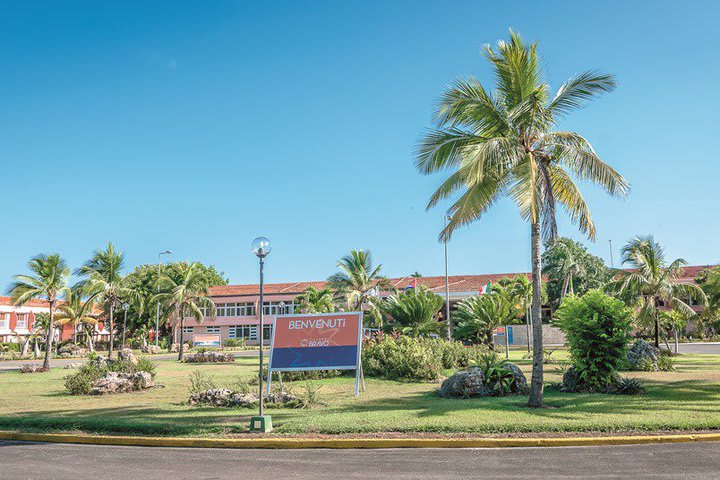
(643, 356)
(72, 365)
(32, 368)
(223, 397)
(151, 349)
(174, 348)
(210, 357)
(114, 382)
(465, 384)
(127, 355)
(519, 385)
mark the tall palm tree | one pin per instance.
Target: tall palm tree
(568, 267)
(184, 289)
(415, 312)
(48, 281)
(359, 284)
(313, 300)
(78, 313)
(652, 283)
(102, 277)
(506, 144)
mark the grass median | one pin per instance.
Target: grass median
(687, 399)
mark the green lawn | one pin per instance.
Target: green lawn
(686, 399)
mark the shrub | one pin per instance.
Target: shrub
(401, 358)
(145, 365)
(666, 362)
(643, 357)
(81, 382)
(200, 382)
(628, 386)
(309, 394)
(597, 329)
(234, 342)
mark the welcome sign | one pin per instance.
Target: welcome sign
(323, 341)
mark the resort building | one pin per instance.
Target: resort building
(237, 306)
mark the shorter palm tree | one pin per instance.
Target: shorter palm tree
(184, 290)
(77, 313)
(358, 284)
(415, 312)
(477, 317)
(652, 283)
(48, 282)
(313, 300)
(102, 277)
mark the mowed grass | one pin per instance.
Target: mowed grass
(688, 399)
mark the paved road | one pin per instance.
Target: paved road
(7, 365)
(26, 461)
(713, 348)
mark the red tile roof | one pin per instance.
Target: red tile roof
(457, 283)
(31, 303)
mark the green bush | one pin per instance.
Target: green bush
(81, 382)
(402, 358)
(234, 342)
(302, 375)
(628, 386)
(145, 365)
(597, 330)
(666, 362)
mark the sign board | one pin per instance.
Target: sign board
(323, 341)
(209, 340)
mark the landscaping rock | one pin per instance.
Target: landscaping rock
(114, 382)
(174, 348)
(72, 351)
(223, 397)
(465, 384)
(643, 356)
(72, 365)
(210, 357)
(32, 368)
(151, 349)
(519, 385)
(127, 355)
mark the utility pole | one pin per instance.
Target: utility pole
(611, 255)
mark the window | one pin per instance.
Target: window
(232, 309)
(4, 321)
(188, 329)
(267, 332)
(248, 332)
(213, 329)
(279, 308)
(22, 321)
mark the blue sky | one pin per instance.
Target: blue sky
(196, 126)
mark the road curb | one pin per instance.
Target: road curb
(356, 443)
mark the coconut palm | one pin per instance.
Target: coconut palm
(184, 289)
(48, 281)
(415, 312)
(102, 277)
(477, 317)
(651, 283)
(77, 312)
(506, 144)
(313, 300)
(359, 284)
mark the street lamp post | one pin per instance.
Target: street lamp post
(125, 307)
(157, 314)
(262, 423)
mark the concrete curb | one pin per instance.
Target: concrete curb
(344, 443)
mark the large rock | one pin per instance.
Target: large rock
(32, 368)
(210, 357)
(465, 384)
(174, 348)
(126, 355)
(519, 385)
(643, 356)
(114, 382)
(151, 349)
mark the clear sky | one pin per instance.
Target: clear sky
(196, 126)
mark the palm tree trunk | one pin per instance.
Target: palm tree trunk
(657, 327)
(536, 381)
(48, 337)
(112, 327)
(181, 349)
(36, 349)
(527, 327)
(25, 346)
(676, 341)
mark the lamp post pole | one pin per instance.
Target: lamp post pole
(262, 423)
(125, 308)
(157, 312)
(447, 289)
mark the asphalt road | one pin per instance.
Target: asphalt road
(7, 365)
(26, 461)
(712, 348)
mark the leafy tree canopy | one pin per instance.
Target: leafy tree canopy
(570, 268)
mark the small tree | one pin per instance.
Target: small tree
(313, 300)
(597, 330)
(476, 317)
(415, 312)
